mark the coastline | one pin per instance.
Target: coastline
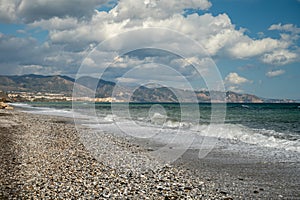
(43, 157)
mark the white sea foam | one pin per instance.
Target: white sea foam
(21, 105)
(251, 136)
(158, 118)
(175, 124)
(110, 118)
(167, 131)
(47, 110)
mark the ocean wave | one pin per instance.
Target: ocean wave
(44, 110)
(176, 124)
(21, 105)
(167, 128)
(247, 135)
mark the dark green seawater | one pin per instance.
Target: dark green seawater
(283, 118)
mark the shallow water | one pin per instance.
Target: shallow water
(266, 125)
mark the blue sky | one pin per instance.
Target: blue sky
(257, 16)
(254, 43)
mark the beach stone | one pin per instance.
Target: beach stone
(223, 192)
(9, 108)
(51, 163)
(3, 105)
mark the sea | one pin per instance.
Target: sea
(275, 126)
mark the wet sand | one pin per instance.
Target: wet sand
(243, 171)
(249, 176)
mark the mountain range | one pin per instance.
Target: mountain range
(64, 85)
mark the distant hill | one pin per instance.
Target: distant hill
(104, 88)
(64, 85)
(37, 83)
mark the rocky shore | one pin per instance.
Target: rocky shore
(5, 106)
(43, 157)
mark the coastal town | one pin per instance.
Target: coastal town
(49, 97)
(13, 96)
(54, 97)
(38, 88)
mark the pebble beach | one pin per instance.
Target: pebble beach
(42, 157)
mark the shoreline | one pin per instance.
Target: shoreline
(48, 148)
(51, 162)
(248, 172)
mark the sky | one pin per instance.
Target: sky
(251, 46)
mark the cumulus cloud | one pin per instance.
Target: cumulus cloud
(34, 10)
(286, 27)
(214, 33)
(18, 49)
(153, 63)
(234, 78)
(234, 81)
(75, 27)
(271, 51)
(8, 10)
(235, 88)
(279, 57)
(56, 23)
(275, 73)
(132, 9)
(250, 48)
(23, 55)
(288, 32)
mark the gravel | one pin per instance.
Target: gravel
(43, 157)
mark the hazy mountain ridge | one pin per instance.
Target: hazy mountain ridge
(64, 85)
(37, 83)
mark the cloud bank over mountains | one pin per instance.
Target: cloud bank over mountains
(71, 29)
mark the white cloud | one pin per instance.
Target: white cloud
(7, 10)
(235, 88)
(35, 10)
(250, 48)
(233, 82)
(132, 9)
(275, 73)
(273, 51)
(291, 32)
(17, 53)
(37, 69)
(215, 33)
(286, 27)
(156, 74)
(234, 78)
(14, 48)
(279, 57)
(75, 27)
(56, 23)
